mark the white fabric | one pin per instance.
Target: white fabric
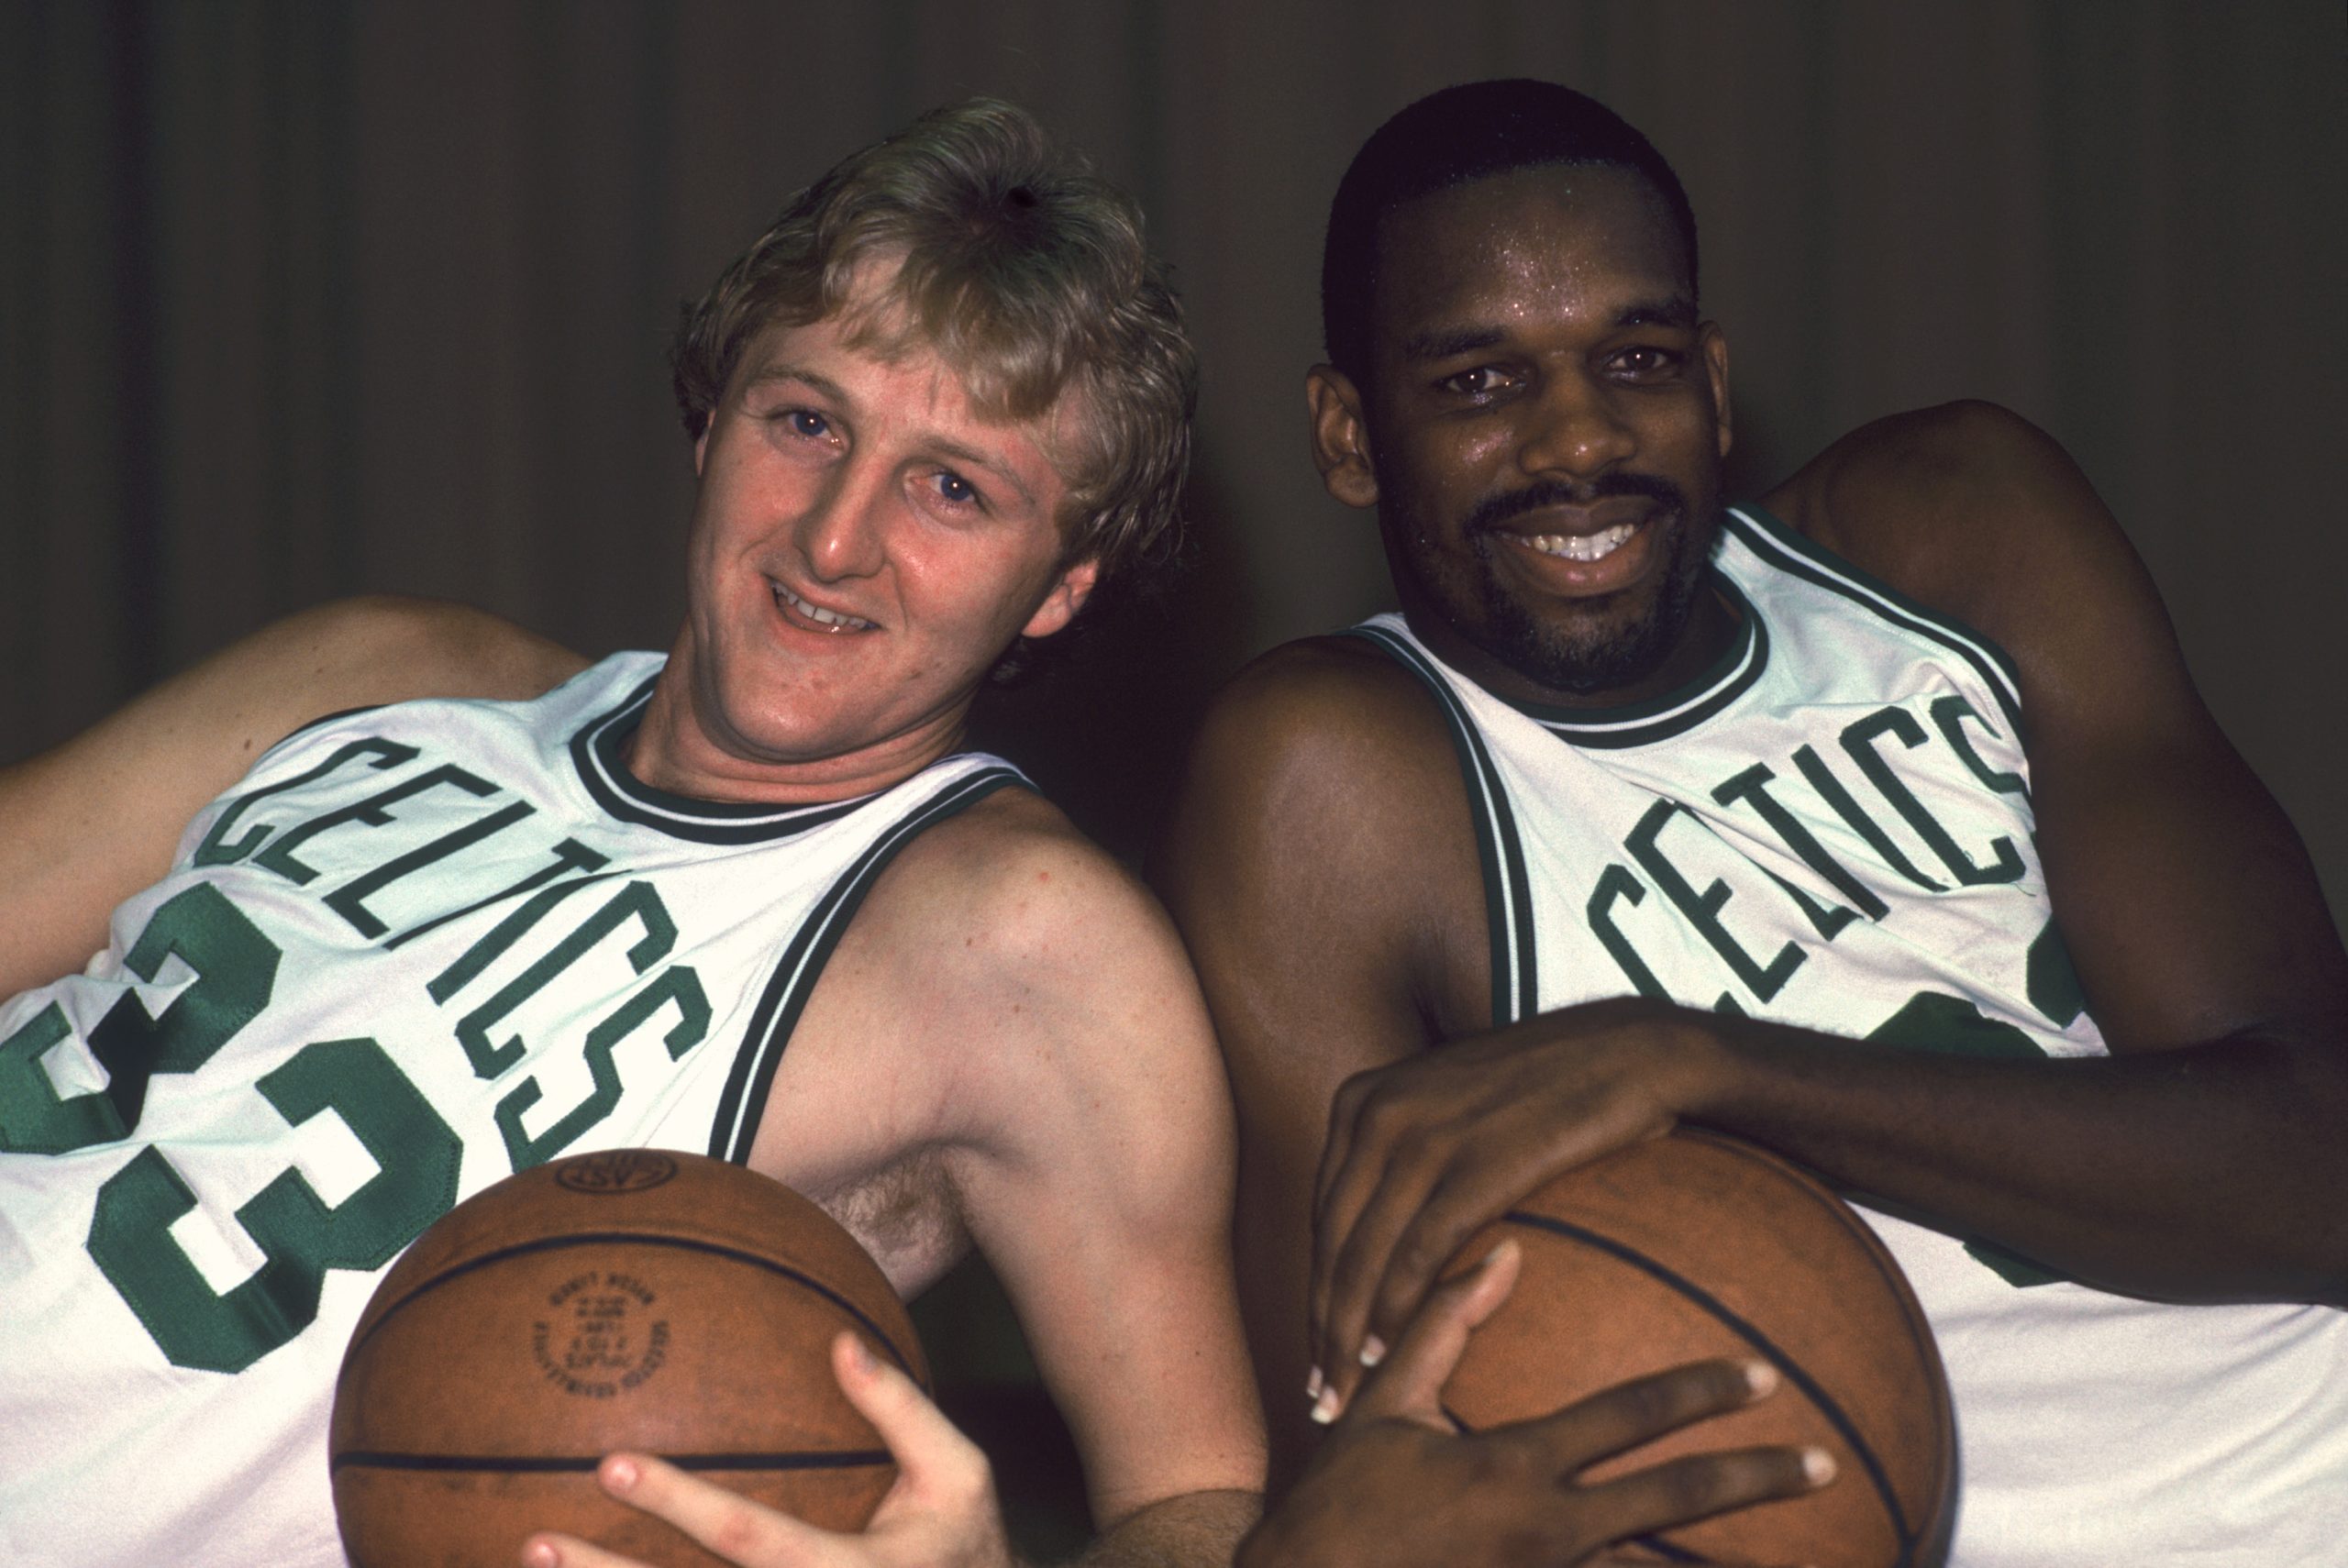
(694, 931)
(2093, 1431)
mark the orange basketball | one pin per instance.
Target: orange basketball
(643, 1300)
(1696, 1246)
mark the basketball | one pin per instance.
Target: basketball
(1694, 1246)
(644, 1299)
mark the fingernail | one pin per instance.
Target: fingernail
(540, 1554)
(1324, 1407)
(1373, 1351)
(860, 1354)
(1817, 1466)
(1312, 1385)
(1760, 1378)
(620, 1474)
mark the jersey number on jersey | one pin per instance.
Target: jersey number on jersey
(415, 1153)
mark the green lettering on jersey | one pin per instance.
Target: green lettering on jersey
(236, 971)
(372, 812)
(467, 966)
(639, 900)
(1859, 739)
(569, 856)
(1616, 884)
(1950, 713)
(1703, 910)
(35, 1120)
(1750, 786)
(417, 1158)
(2049, 981)
(216, 851)
(1829, 790)
(678, 987)
(350, 899)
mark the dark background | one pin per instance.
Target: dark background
(310, 298)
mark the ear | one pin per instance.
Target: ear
(701, 444)
(1340, 436)
(1067, 597)
(1715, 351)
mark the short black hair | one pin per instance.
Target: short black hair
(1451, 138)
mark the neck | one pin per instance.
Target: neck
(683, 747)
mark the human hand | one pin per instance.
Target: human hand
(1396, 1485)
(940, 1514)
(1422, 1154)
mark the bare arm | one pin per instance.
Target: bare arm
(90, 823)
(1095, 1173)
(1321, 863)
(2198, 1162)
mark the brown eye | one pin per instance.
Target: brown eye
(1478, 382)
(1646, 361)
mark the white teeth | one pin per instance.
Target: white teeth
(1582, 547)
(831, 619)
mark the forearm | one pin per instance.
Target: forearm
(2210, 1172)
(1197, 1530)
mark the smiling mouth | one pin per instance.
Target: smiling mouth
(831, 621)
(1578, 547)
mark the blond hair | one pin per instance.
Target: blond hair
(1022, 269)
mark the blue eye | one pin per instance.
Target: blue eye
(807, 422)
(956, 488)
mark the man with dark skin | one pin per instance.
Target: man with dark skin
(1525, 390)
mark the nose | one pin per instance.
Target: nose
(840, 534)
(1573, 429)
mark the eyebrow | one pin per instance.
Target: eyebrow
(956, 451)
(1675, 311)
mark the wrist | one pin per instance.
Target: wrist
(1711, 1061)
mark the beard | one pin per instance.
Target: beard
(1589, 661)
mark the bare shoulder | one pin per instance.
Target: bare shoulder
(1015, 942)
(385, 649)
(1976, 511)
(1322, 819)
(1324, 702)
(1302, 751)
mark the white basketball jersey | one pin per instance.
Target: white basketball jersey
(417, 949)
(1832, 828)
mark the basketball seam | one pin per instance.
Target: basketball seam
(812, 1459)
(1792, 1370)
(684, 1244)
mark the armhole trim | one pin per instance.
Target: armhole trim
(743, 1105)
(1791, 553)
(1508, 891)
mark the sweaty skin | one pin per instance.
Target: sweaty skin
(1322, 864)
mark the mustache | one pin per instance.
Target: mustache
(1494, 510)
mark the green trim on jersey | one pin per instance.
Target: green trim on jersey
(743, 1105)
(1508, 892)
(598, 751)
(1675, 713)
(1804, 557)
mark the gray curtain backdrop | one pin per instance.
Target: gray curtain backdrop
(311, 298)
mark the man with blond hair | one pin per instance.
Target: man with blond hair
(706, 901)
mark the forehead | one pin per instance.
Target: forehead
(1542, 243)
